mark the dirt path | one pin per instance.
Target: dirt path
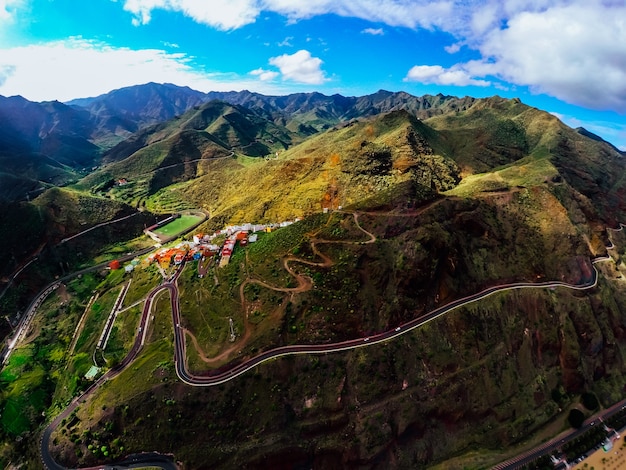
(305, 284)
(236, 346)
(223, 355)
(420, 211)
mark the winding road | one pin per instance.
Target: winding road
(151, 459)
(24, 322)
(222, 376)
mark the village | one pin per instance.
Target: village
(219, 245)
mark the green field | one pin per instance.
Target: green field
(179, 225)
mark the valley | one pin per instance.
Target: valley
(451, 270)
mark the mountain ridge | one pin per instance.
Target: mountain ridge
(335, 108)
(65, 139)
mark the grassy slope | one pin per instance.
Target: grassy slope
(36, 228)
(213, 130)
(529, 147)
(336, 168)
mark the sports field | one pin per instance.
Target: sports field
(614, 459)
(179, 225)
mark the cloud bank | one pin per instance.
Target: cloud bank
(233, 14)
(63, 70)
(569, 49)
(6, 9)
(436, 74)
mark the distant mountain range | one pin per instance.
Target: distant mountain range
(52, 143)
(133, 107)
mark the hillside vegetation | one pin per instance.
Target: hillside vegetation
(34, 232)
(402, 211)
(336, 168)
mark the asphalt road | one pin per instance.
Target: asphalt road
(224, 376)
(147, 459)
(239, 369)
(559, 441)
(103, 224)
(24, 322)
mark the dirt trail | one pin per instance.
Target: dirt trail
(224, 354)
(305, 284)
(414, 212)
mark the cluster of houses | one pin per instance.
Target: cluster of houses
(174, 255)
(242, 234)
(203, 246)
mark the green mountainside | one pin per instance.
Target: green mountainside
(336, 168)
(118, 114)
(406, 204)
(34, 231)
(178, 150)
(41, 145)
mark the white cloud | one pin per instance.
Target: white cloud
(76, 68)
(5, 72)
(220, 14)
(483, 18)
(408, 13)
(286, 42)
(300, 67)
(436, 74)
(265, 75)
(575, 53)
(232, 14)
(453, 48)
(570, 49)
(374, 32)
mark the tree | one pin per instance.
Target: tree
(589, 401)
(576, 418)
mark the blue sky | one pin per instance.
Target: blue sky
(567, 57)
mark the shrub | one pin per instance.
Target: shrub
(576, 418)
(590, 401)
